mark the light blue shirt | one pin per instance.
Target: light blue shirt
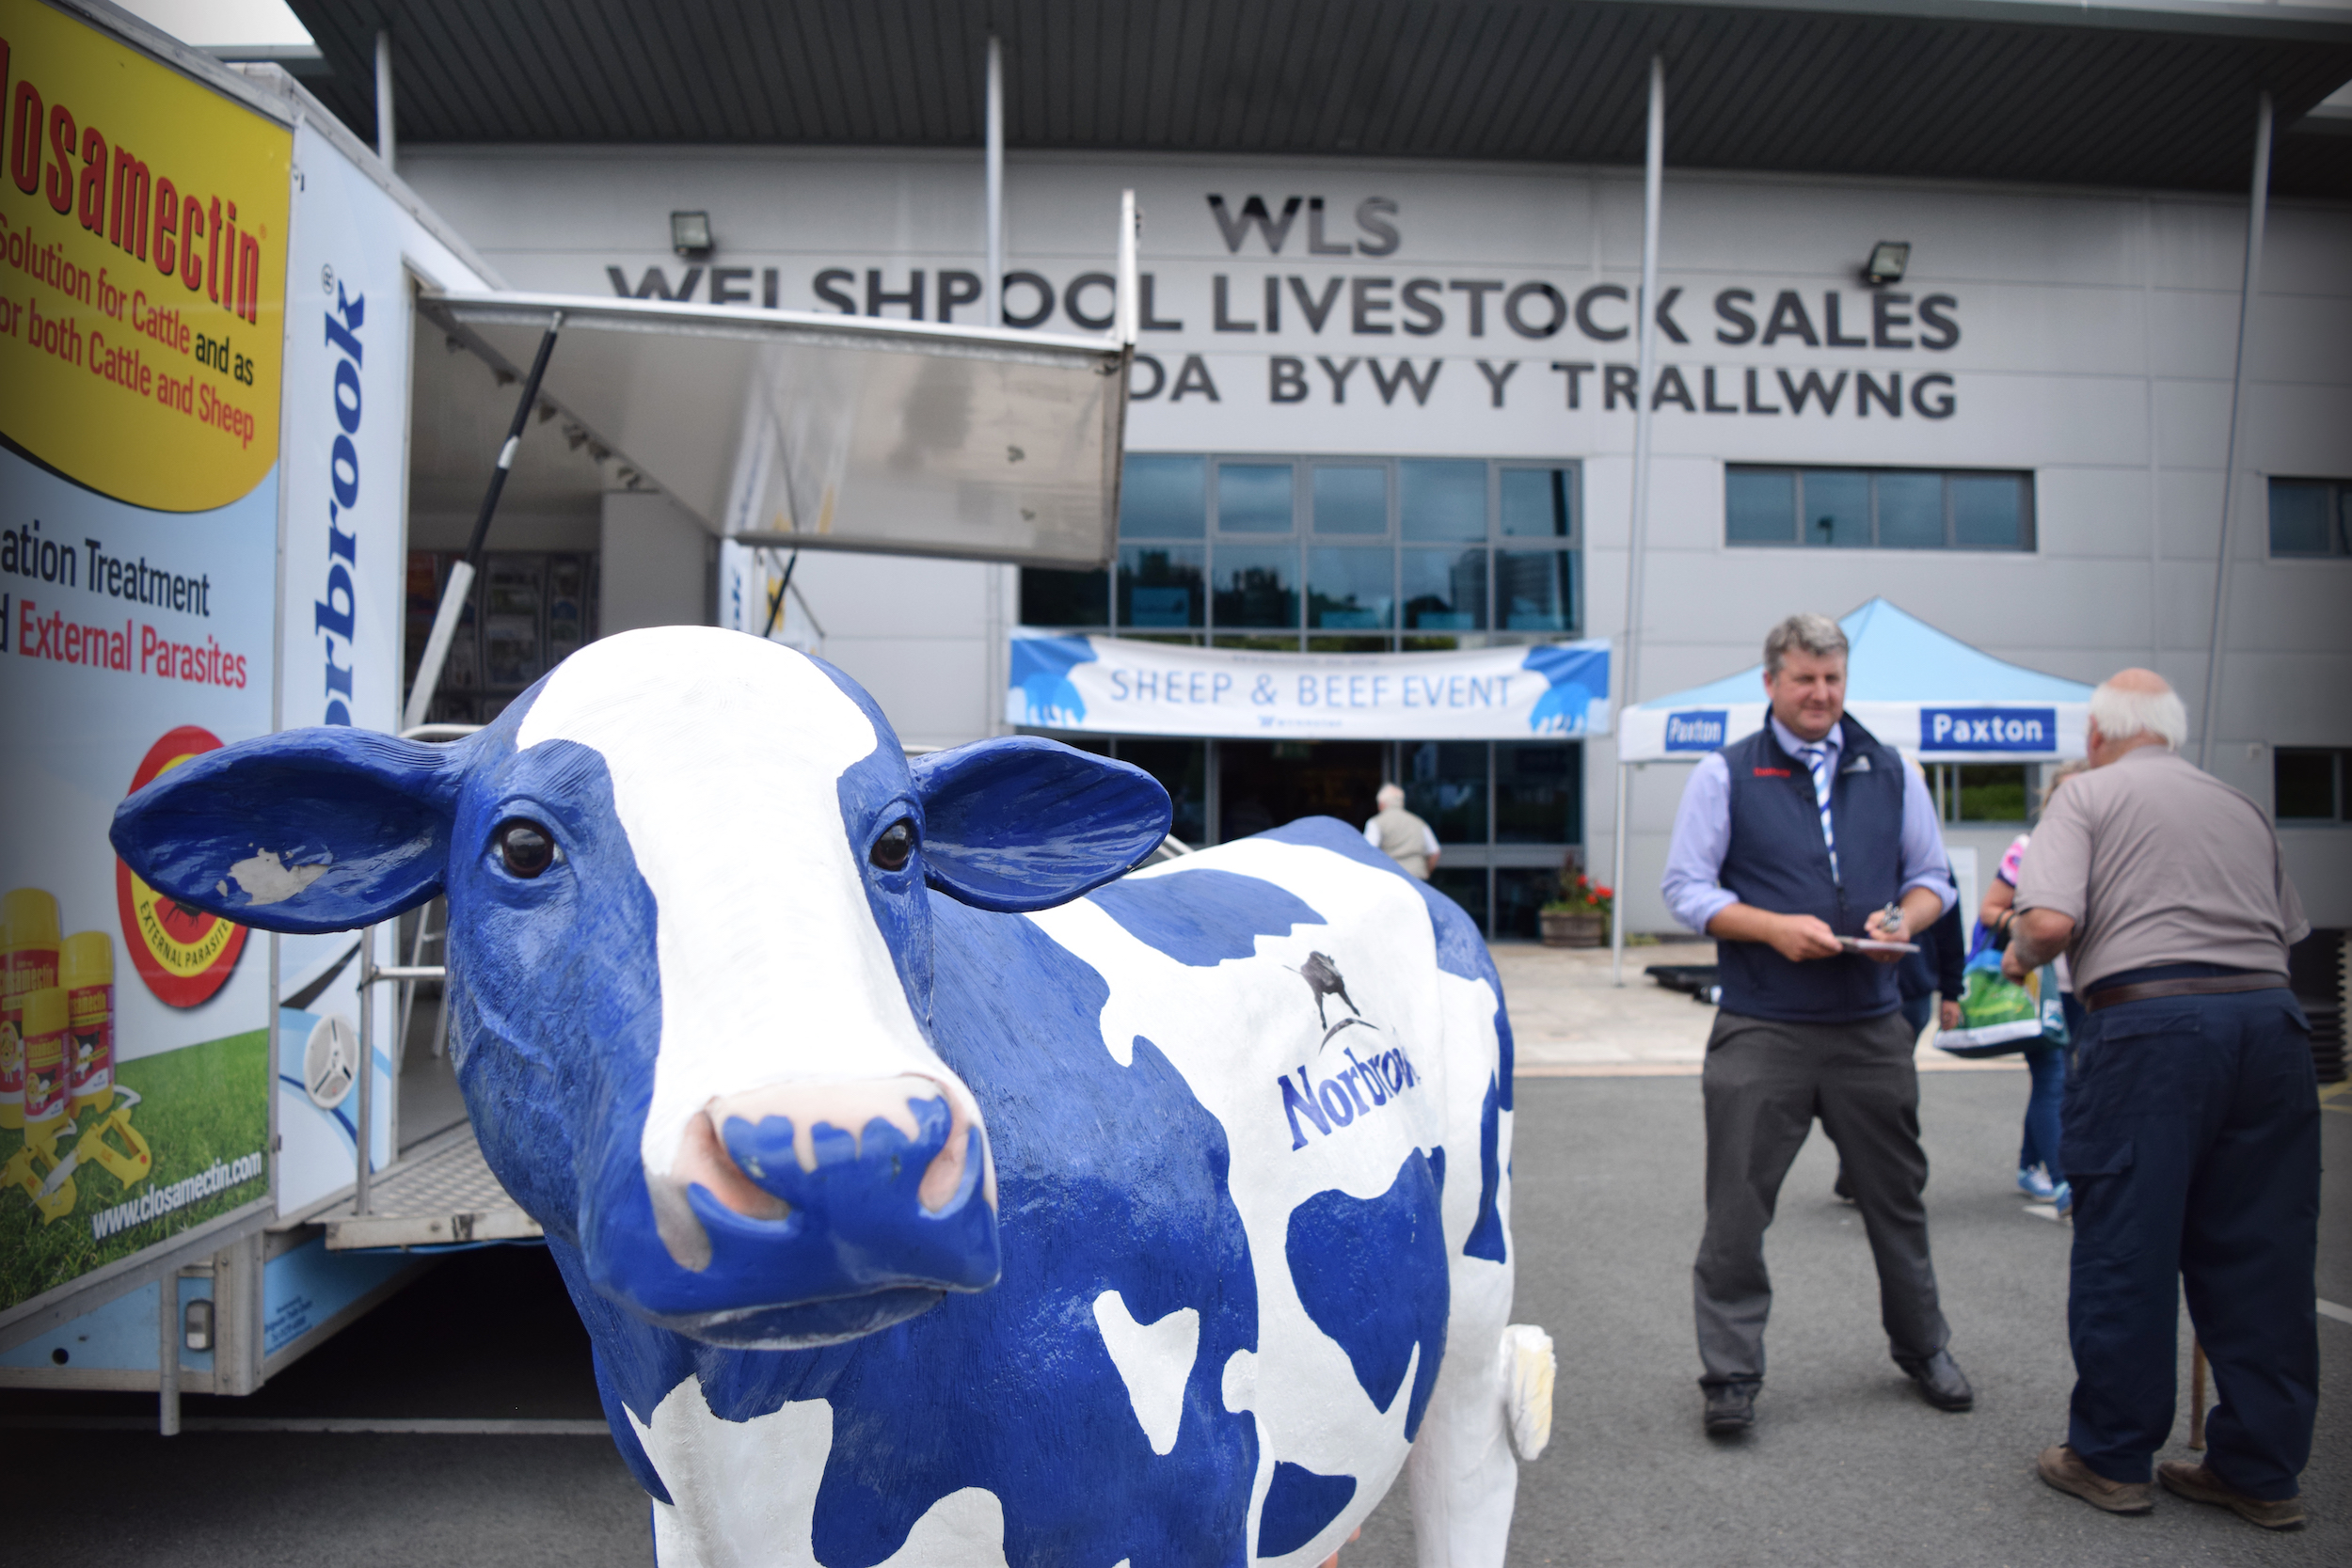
(1703, 836)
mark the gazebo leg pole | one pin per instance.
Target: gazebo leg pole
(1617, 876)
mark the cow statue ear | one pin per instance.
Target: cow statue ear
(1024, 823)
(314, 829)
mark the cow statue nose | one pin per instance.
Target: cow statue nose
(865, 1178)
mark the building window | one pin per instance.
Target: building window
(1977, 791)
(2310, 516)
(1886, 509)
(2308, 784)
(1332, 555)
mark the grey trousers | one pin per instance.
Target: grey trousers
(1764, 1083)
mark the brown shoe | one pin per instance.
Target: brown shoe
(2063, 1469)
(2200, 1485)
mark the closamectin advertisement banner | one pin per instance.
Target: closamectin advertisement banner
(142, 309)
(1121, 686)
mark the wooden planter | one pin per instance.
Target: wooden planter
(1574, 931)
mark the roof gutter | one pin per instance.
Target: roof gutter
(2255, 23)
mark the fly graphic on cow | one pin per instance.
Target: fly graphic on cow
(928, 1186)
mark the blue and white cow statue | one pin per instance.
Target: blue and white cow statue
(1071, 1217)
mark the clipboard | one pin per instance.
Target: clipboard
(1868, 944)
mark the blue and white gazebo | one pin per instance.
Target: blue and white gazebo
(1918, 689)
(1921, 691)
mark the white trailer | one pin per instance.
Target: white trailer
(234, 348)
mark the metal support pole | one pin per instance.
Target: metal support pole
(1616, 873)
(384, 141)
(775, 602)
(993, 294)
(167, 1353)
(2258, 205)
(363, 1135)
(1130, 315)
(461, 576)
(1653, 188)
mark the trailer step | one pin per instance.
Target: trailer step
(440, 1194)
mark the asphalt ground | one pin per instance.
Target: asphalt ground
(1846, 1463)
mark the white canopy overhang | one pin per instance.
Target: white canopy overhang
(824, 432)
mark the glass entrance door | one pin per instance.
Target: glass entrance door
(1264, 784)
(1507, 814)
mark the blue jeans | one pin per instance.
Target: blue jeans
(2047, 1062)
(2192, 1138)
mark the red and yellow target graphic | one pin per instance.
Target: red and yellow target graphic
(184, 955)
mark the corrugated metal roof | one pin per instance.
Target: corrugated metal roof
(1946, 88)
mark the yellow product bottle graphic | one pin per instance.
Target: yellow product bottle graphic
(28, 963)
(86, 972)
(44, 1057)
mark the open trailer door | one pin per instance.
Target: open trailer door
(851, 433)
(787, 428)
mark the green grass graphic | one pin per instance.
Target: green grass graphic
(197, 1105)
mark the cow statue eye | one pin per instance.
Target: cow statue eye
(525, 846)
(891, 852)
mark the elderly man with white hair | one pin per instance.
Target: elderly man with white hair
(1400, 835)
(2191, 1128)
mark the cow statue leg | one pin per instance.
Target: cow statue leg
(1463, 1477)
(1494, 1391)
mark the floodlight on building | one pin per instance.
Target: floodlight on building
(690, 236)
(1888, 257)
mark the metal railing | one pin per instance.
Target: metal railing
(405, 977)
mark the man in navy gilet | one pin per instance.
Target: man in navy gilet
(1790, 845)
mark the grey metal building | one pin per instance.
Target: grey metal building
(1391, 253)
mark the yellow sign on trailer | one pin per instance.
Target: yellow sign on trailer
(143, 225)
(143, 244)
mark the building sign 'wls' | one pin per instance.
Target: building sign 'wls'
(1285, 322)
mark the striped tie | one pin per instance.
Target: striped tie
(1817, 759)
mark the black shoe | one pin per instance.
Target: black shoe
(1841, 1192)
(1731, 1408)
(1940, 1381)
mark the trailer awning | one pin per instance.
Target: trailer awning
(785, 427)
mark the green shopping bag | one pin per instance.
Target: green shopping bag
(1998, 1016)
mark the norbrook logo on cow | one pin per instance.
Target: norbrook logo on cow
(1364, 1088)
(1334, 1104)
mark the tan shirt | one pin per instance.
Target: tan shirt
(1404, 838)
(2158, 862)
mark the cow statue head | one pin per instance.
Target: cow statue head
(689, 955)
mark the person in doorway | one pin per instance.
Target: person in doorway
(1789, 846)
(2040, 1169)
(2191, 1122)
(1400, 835)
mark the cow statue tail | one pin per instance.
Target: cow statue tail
(1528, 1369)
